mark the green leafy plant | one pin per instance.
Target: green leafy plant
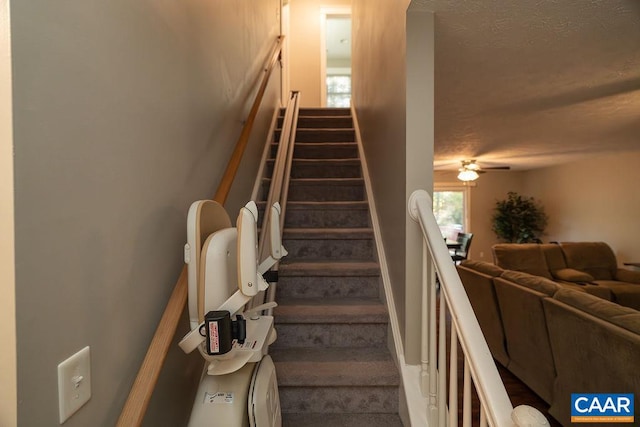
(519, 219)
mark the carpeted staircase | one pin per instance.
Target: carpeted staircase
(331, 356)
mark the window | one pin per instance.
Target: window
(339, 91)
(450, 207)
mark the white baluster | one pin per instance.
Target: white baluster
(453, 379)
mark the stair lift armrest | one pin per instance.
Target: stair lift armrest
(247, 256)
(276, 250)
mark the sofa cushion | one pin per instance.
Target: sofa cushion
(626, 294)
(481, 293)
(531, 281)
(624, 317)
(591, 354)
(571, 275)
(595, 258)
(483, 267)
(525, 330)
(554, 256)
(526, 257)
(629, 276)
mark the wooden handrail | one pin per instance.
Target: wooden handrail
(136, 405)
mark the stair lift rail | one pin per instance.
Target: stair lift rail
(277, 197)
(479, 368)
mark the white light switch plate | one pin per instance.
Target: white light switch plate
(74, 383)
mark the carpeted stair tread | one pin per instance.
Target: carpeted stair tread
(335, 367)
(330, 111)
(327, 205)
(326, 310)
(324, 135)
(331, 268)
(324, 189)
(340, 400)
(323, 150)
(319, 181)
(327, 181)
(334, 355)
(310, 122)
(326, 145)
(331, 214)
(328, 233)
(321, 135)
(340, 420)
(318, 244)
(319, 163)
(310, 287)
(324, 129)
(340, 162)
(320, 150)
(326, 168)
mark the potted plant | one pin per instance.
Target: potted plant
(519, 219)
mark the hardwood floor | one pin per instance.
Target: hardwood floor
(518, 392)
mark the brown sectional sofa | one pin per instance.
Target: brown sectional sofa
(589, 266)
(596, 348)
(536, 327)
(482, 295)
(520, 298)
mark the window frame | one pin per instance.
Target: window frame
(466, 200)
(328, 93)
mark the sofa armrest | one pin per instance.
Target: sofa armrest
(629, 276)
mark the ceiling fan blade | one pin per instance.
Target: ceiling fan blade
(497, 168)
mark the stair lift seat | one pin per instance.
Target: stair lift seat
(238, 388)
(205, 217)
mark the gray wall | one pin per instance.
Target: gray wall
(593, 199)
(124, 113)
(419, 160)
(378, 95)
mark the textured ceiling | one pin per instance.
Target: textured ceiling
(534, 83)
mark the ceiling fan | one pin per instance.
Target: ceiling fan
(470, 170)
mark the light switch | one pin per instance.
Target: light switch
(74, 383)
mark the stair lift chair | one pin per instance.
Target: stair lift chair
(238, 386)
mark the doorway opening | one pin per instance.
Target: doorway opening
(335, 74)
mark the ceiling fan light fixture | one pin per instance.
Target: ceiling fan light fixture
(467, 174)
(470, 165)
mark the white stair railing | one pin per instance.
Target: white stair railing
(479, 368)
